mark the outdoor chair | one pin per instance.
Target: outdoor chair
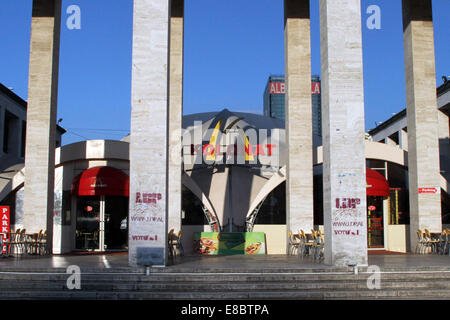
(420, 246)
(177, 247)
(34, 243)
(443, 247)
(293, 244)
(42, 243)
(430, 242)
(21, 242)
(13, 242)
(170, 237)
(318, 246)
(306, 245)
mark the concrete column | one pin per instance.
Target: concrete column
(344, 179)
(175, 112)
(149, 134)
(422, 118)
(299, 178)
(41, 117)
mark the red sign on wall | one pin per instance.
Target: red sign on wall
(430, 190)
(280, 88)
(277, 88)
(5, 225)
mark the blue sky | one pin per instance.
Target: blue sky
(231, 47)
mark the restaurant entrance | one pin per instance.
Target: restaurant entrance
(101, 223)
(377, 192)
(101, 209)
(375, 224)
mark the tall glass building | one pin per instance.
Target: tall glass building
(274, 99)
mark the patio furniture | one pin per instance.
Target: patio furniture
(444, 239)
(175, 242)
(420, 242)
(306, 243)
(170, 238)
(430, 242)
(293, 243)
(42, 243)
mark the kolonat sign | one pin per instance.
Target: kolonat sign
(5, 224)
(280, 88)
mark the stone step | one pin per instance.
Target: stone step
(209, 295)
(190, 286)
(224, 277)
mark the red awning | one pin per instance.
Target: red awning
(101, 181)
(376, 184)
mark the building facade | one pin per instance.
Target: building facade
(13, 121)
(394, 132)
(274, 101)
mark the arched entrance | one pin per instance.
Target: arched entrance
(101, 209)
(377, 192)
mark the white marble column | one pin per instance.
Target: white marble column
(149, 134)
(422, 118)
(41, 117)
(175, 113)
(299, 178)
(344, 179)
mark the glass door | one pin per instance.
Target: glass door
(116, 226)
(375, 226)
(88, 223)
(102, 223)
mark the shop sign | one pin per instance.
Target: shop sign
(5, 225)
(430, 190)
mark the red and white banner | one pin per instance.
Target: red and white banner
(432, 190)
(5, 225)
(280, 88)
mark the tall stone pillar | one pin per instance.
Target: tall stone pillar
(422, 118)
(344, 179)
(41, 117)
(299, 178)
(175, 112)
(149, 134)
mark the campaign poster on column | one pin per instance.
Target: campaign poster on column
(147, 228)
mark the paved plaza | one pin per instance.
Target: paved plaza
(209, 264)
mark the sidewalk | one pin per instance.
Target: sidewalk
(208, 264)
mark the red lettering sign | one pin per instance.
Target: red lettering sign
(148, 197)
(277, 88)
(315, 87)
(280, 88)
(5, 225)
(347, 203)
(429, 190)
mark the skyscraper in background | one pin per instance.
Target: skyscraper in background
(274, 101)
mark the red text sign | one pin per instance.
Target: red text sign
(5, 225)
(147, 197)
(429, 190)
(280, 87)
(347, 203)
